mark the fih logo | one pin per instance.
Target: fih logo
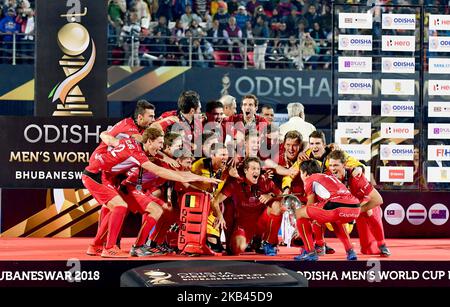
(354, 106)
(73, 40)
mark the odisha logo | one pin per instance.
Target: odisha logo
(387, 21)
(387, 108)
(386, 152)
(159, 278)
(434, 42)
(345, 42)
(387, 65)
(344, 85)
(354, 106)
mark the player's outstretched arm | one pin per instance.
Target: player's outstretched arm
(108, 139)
(176, 176)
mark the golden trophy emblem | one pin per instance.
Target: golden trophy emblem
(73, 40)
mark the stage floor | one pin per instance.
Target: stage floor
(20, 249)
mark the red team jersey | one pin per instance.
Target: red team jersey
(328, 189)
(358, 186)
(247, 205)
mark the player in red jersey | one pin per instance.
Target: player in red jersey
(255, 211)
(100, 178)
(370, 201)
(329, 201)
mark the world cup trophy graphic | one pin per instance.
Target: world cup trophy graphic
(73, 40)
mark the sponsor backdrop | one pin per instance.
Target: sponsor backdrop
(70, 57)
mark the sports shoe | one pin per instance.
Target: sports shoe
(165, 248)
(114, 252)
(351, 255)
(269, 249)
(94, 250)
(324, 249)
(384, 251)
(305, 256)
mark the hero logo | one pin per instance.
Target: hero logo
(391, 43)
(396, 174)
(441, 22)
(437, 87)
(390, 130)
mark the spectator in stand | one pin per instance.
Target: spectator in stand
(242, 17)
(310, 52)
(284, 8)
(299, 4)
(116, 17)
(188, 16)
(130, 39)
(251, 6)
(233, 36)
(293, 52)
(157, 48)
(202, 53)
(275, 22)
(222, 16)
(143, 12)
(292, 20)
(232, 6)
(325, 18)
(9, 4)
(196, 30)
(8, 26)
(311, 16)
(201, 7)
(275, 54)
(260, 34)
(301, 30)
(173, 50)
(184, 47)
(283, 33)
(178, 30)
(165, 9)
(179, 8)
(215, 36)
(163, 29)
(259, 12)
(27, 24)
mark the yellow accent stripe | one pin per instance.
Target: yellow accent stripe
(23, 92)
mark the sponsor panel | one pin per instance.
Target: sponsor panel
(439, 43)
(394, 214)
(355, 86)
(396, 174)
(355, 129)
(355, 42)
(439, 87)
(397, 86)
(438, 174)
(404, 43)
(354, 108)
(438, 152)
(355, 20)
(358, 151)
(438, 108)
(439, 131)
(397, 108)
(399, 21)
(416, 214)
(398, 65)
(355, 64)
(438, 65)
(438, 214)
(397, 152)
(439, 22)
(397, 130)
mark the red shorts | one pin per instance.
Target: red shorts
(138, 201)
(338, 215)
(103, 193)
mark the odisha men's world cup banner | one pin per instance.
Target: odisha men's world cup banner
(48, 152)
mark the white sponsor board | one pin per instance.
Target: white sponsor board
(397, 87)
(397, 108)
(354, 108)
(358, 151)
(439, 43)
(355, 42)
(399, 21)
(396, 174)
(438, 174)
(438, 153)
(439, 131)
(354, 130)
(439, 22)
(397, 152)
(355, 20)
(438, 65)
(397, 130)
(403, 43)
(398, 65)
(355, 64)
(438, 87)
(355, 86)
(438, 108)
